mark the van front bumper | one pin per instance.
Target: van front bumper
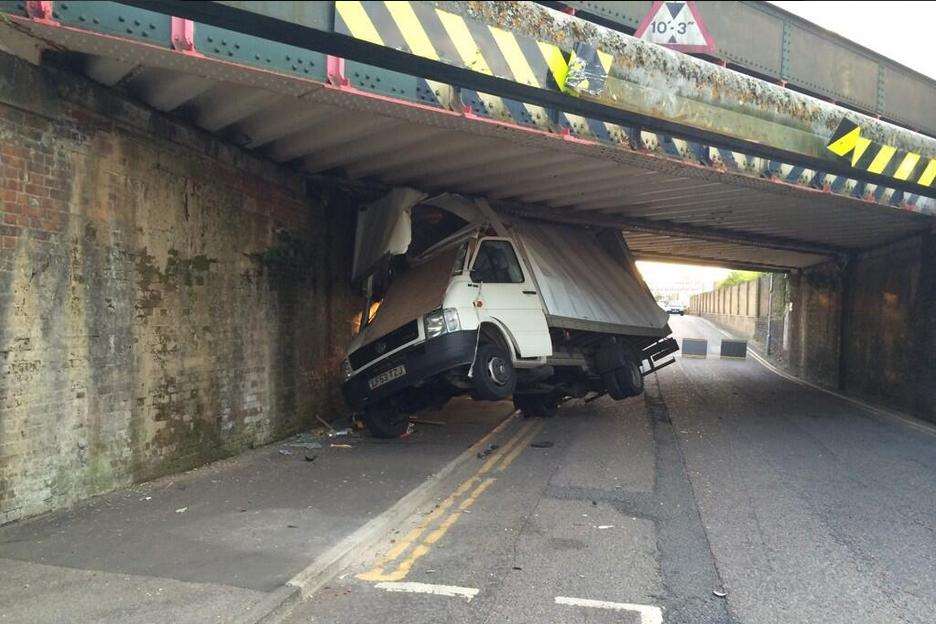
(422, 362)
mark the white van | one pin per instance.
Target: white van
(463, 299)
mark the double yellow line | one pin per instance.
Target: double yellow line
(449, 510)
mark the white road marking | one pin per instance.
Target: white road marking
(425, 588)
(905, 419)
(649, 614)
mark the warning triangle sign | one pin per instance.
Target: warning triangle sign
(677, 25)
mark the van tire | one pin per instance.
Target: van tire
(625, 381)
(385, 421)
(536, 405)
(629, 378)
(493, 375)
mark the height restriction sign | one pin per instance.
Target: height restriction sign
(676, 25)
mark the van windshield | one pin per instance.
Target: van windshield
(432, 225)
(412, 292)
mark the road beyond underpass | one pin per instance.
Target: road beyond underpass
(725, 494)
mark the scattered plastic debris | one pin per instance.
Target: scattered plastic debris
(306, 445)
(285, 452)
(420, 421)
(490, 448)
(544, 444)
(146, 498)
(719, 593)
(181, 510)
(605, 526)
(327, 426)
(341, 446)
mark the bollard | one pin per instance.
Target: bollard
(694, 347)
(734, 349)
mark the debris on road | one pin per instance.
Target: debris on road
(544, 444)
(311, 458)
(285, 452)
(435, 423)
(306, 445)
(605, 526)
(719, 593)
(327, 426)
(341, 446)
(490, 448)
(181, 510)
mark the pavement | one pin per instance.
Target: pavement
(725, 494)
(218, 543)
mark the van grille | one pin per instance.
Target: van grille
(398, 337)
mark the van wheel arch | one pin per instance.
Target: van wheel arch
(494, 334)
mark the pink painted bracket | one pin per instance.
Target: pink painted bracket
(182, 36)
(335, 71)
(41, 11)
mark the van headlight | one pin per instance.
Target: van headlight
(442, 321)
(346, 369)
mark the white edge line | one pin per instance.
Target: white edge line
(919, 426)
(907, 420)
(412, 587)
(649, 614)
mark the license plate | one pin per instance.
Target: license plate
(387, 376)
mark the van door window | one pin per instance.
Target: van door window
(460, 259)
(496, 263)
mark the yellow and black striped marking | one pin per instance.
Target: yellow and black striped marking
(432, 33)
(588, 70)
(874, 157)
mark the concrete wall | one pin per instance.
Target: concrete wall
(737, 307)
(868, 327)
(165, 299)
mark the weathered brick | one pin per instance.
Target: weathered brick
(156, 303)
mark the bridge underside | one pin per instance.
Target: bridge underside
(669, 208)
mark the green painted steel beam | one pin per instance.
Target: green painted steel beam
(763, 38)
(648, 86)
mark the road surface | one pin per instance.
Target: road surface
(725, 494)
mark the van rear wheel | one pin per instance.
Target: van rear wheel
(385, 421)
(625, 381)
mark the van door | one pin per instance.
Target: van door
(507, 294)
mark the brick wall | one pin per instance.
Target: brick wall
(868, 328)
(165, 299)
(890, 320)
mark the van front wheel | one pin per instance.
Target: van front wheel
(384, 421)
(536, 405)
(493, 376)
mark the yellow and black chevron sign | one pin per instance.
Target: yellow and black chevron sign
(873, 157)
(427, 31)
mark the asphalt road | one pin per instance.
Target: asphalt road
(725, 494)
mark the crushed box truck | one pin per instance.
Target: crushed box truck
(463, 299)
